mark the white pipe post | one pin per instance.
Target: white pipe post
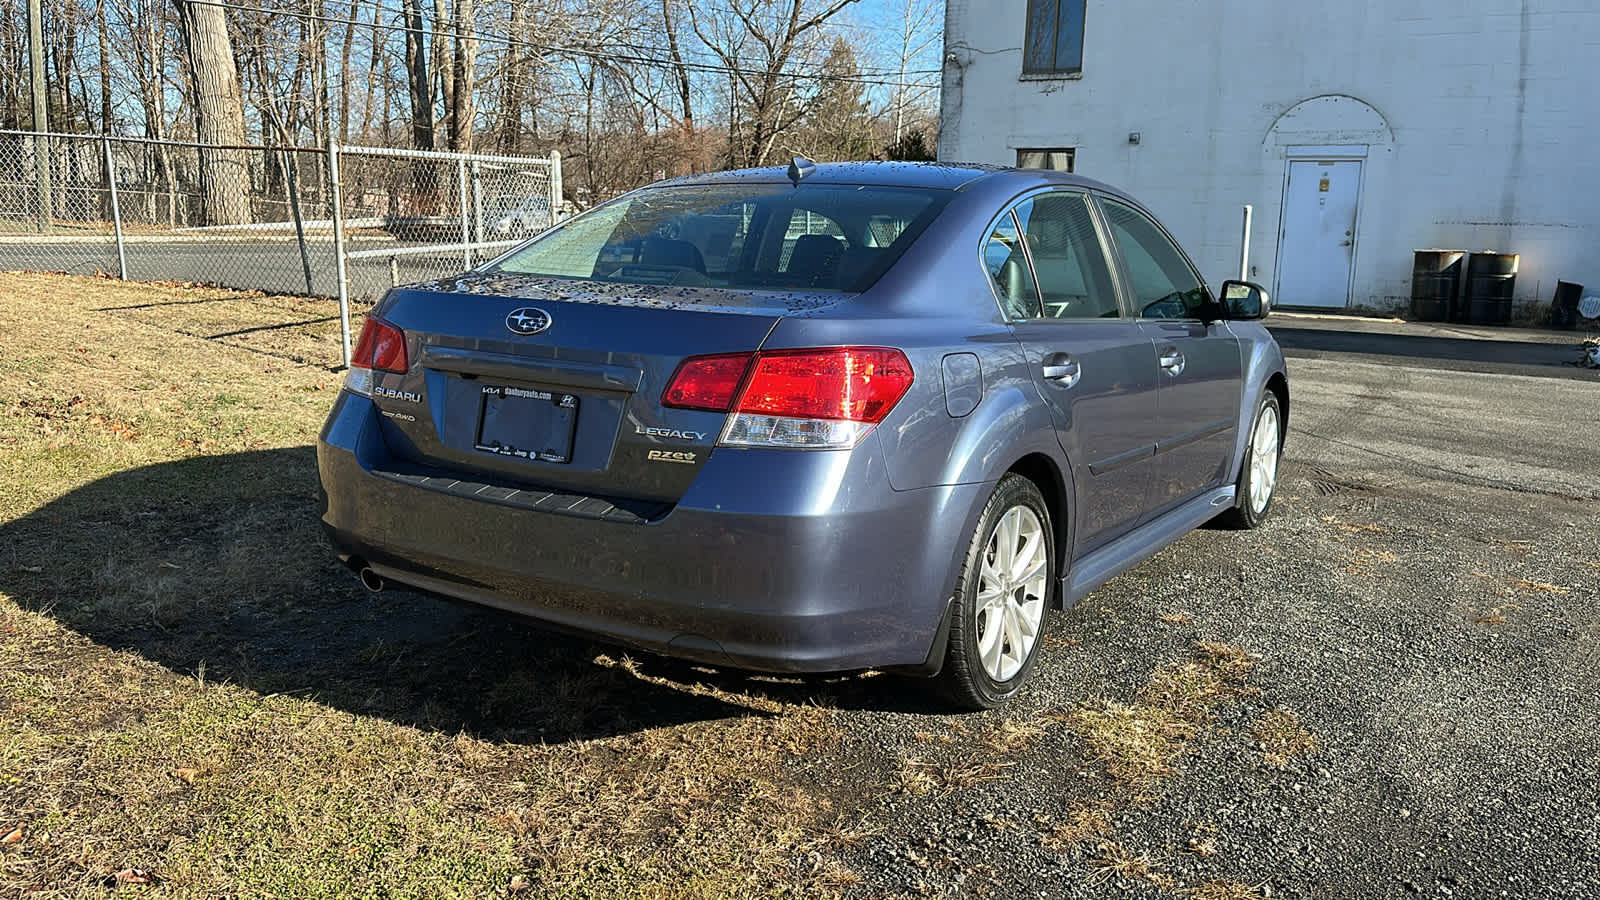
(339, 261)
(1244, 245)
(116, 209)
(555, 187)
(477, 204)
(466, 214)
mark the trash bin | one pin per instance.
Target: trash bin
(1491, 278)
(1435, 283)
(1564, 308)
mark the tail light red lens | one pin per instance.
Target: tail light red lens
(706, 382)
(382, 347)
(851, 384)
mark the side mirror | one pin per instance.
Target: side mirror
(1245, 300)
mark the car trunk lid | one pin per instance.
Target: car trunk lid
(574, 407)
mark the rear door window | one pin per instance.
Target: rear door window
(1069, 261)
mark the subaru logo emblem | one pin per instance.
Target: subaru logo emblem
(528, 320)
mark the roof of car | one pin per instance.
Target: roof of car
(939, 175)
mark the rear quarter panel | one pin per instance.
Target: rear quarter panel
(936, 302)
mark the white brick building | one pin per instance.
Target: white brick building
(1472, 125)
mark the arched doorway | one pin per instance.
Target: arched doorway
(1325, 143)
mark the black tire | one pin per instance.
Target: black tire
(1244, 514)
(964, 679)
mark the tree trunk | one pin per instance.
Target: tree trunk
(380, 38)
(218, 112)
(424, 184)
(511, 89)
(689, 152)
(441, 58)
(106, 124)
(462, 109)
(344, 73)
(417, 75)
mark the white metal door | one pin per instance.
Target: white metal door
(1319, 233)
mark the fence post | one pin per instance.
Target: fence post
(116, 209)
(477, 203)
(466, 229)
(339, 262)
(292, 176)
(555, 186)
(41, 168)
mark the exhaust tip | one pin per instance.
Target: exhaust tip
(371, 580)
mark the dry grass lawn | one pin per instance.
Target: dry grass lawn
(194, 698)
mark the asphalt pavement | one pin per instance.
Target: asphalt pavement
(269, 264)
(1424, 600)
(1434, 345)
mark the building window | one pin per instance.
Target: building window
(1061, 159)
(1054, 42)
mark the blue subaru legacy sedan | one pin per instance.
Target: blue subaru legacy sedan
(819, 418)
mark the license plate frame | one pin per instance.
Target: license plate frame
(527, 423)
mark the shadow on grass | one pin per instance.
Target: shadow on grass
(216, 567)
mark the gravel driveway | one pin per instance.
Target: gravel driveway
(1417, 711)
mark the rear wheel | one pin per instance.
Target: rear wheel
(1258, 474)
(1000, 600)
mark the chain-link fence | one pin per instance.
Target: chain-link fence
(414, 216)
(263, 218)
(255, 218)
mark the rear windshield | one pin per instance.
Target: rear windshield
(815, 237)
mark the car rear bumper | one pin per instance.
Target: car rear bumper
(781, 561)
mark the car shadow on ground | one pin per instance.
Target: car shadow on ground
(216, 567)
(1518, 357)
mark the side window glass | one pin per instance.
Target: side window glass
(1007, 263)
(1164, 287)
(1068, 259)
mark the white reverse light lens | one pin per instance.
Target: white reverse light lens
(754, 430)
(358, 380)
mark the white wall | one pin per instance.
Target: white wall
(1482, 119)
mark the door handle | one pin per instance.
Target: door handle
(1172, 361)
(1062, 369)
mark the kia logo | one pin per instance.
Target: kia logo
(528, 320)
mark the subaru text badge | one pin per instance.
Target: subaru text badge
(528, 320)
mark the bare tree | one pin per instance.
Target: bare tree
(417, 77)
(919, 28)
(780, 30)
(464, 69)
(626, 90)
(441, 60)
(690, 152)
(218, 111)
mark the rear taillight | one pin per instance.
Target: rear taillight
(706, 382)
(382, 348)
(824, 398)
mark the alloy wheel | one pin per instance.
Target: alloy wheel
(1011, 591)
(1264, 445)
